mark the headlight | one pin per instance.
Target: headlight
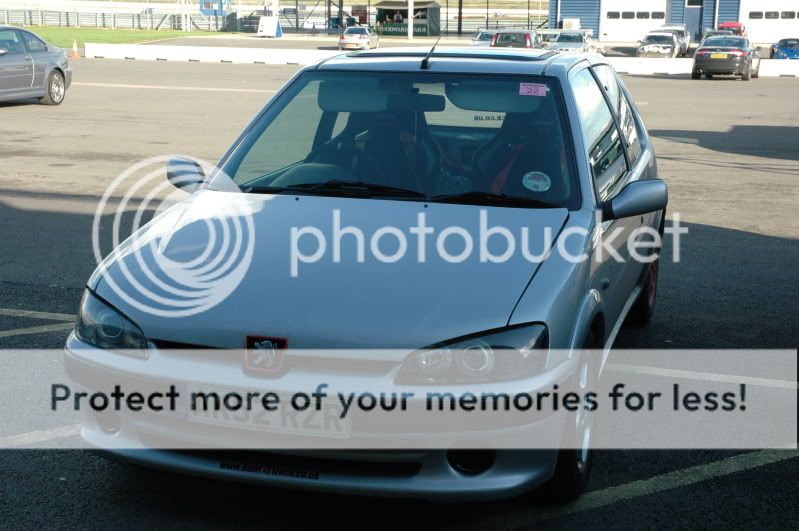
(102, 326)
(506, 354)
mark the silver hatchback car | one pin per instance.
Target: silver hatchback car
(538, 141)
(32, 68)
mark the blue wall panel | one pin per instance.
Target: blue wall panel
(586, 10)
(553, 14)
(677, 14)
(708, 17)
(728, 10)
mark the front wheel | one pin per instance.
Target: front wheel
(576, 458)
(695, 74)
(55, 90)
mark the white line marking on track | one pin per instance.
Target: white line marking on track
(704, 376)
(10, 312)
(644, 487)
(37, 437)
(171, 87)
(59, 327)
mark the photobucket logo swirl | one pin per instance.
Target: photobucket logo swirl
(192, 255)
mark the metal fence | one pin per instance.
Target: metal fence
(308, 21)
(152, 21)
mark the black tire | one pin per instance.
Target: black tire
(708, 76)
(696, 75)
(56, 90)
(756, 73)
(573, 468)
(746, 76)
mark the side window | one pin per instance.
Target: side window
(605, 151)
(287, 140)
(32, 42)
(11, 42)
(623, 110)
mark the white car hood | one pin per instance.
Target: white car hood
(328, 305)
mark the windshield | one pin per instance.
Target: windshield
(569, 37)
(658, 39)
(355, 31)
(789, 43)
(484, 36)
(414, 136)
(725, 42)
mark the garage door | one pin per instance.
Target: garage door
(629, 20)
(768, 21)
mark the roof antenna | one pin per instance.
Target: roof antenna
(426, 60)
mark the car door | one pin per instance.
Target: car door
(15, 70)
(38, 55)
(612, 273)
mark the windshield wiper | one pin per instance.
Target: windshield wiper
(356, 187)
(489, 198)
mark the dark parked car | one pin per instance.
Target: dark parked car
(32, 68)
(733, 56)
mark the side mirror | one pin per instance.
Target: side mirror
(637, 198)
(184, 174)
(3, 51)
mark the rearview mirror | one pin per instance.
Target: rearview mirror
(637, 198)
(184, 174)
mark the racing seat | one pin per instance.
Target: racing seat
(524, 144)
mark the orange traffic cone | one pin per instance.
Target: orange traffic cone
(75, 53)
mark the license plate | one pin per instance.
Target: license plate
(325, 422)
(718, 56)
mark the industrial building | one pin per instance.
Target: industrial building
(628, 20)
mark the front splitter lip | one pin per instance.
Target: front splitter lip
(514, 473)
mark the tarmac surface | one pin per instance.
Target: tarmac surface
(726, 148)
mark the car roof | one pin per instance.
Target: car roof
(515, 30)
(660, 34)
(459, 60)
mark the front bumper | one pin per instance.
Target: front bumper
(423, 471)
(643, 53)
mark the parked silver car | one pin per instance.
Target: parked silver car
(659, 44)
(32, 68)
(483, 38)
(538, 141)
(573, 41)
(358, 38)
(682, 34)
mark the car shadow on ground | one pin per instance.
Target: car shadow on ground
(770, 141)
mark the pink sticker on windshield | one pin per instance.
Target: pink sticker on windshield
(532, 89)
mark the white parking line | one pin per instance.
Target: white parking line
(10, 312)
(37, 437)
(171, 87)
(644, 487)
(703, 376)
(59, 327)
